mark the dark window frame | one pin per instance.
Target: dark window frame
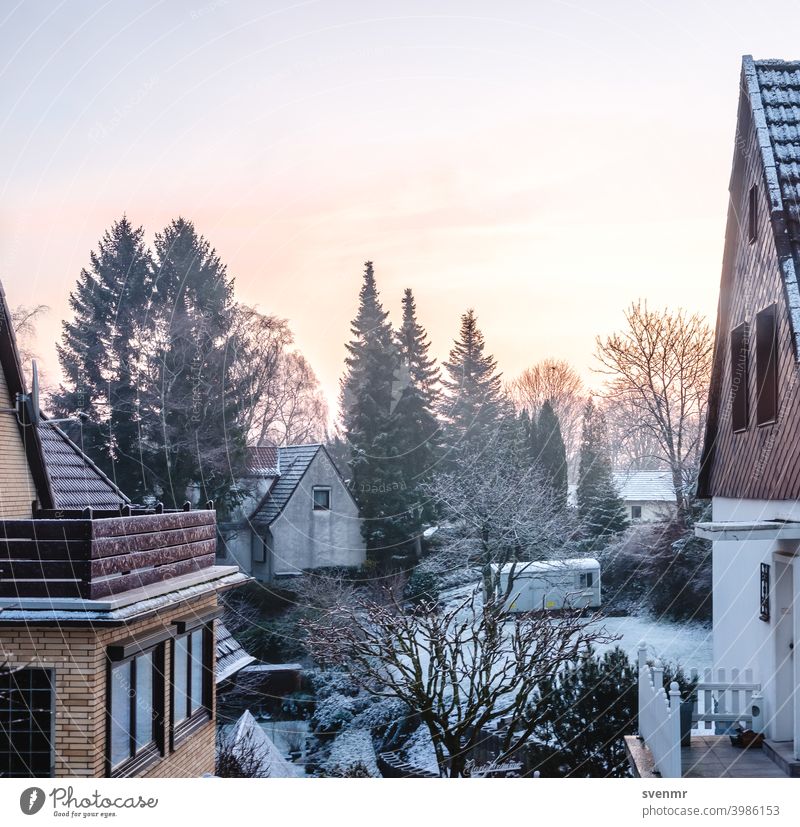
(634, 515)
(326, 489)
(194, 720)
(767, 366)
(49, 674)
(740, 378)
(752, 214)
(154, 750)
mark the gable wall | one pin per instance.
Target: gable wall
(763, 462)
(302, 538)
(17, 490)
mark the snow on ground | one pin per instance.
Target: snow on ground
(688, 644)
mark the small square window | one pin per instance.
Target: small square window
(636, 512)
(322, 499)
(586, 580)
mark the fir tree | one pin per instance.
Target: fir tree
(600, 508)
(367, 404)
(552, 455)
(474, 403)
(197, 441)
(585, 714)
(100, 355)
(415, 424)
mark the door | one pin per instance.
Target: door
(784, 653)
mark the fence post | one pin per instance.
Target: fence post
(644, 685)
(642, 654)
(676, 770)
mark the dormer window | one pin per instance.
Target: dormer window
(752, 214)
(767, 366)
(739, 378)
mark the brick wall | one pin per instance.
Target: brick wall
(78, 656)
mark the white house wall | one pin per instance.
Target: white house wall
(741, 640)
(306, 539)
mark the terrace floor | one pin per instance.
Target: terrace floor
(709, 756)
(712, 756)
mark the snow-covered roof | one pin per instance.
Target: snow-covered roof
(250, 742)
(774, 90)
(231, 656)
(645, 486)
(262, 460)
(567, 564)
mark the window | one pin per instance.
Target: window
(739, 378)
(752, 214)
(322, 499)
(259, 549)
(586, 580)
(135, 711)
(26, 723)
(192, 667)
(636, 512)
(767, 366)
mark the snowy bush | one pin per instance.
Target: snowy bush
(352, 755)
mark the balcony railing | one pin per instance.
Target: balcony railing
(95, 555)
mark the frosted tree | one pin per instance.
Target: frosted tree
(462, 670)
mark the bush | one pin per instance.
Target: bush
(422, 587)
(584, 714)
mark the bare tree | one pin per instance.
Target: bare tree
(659, 369)
(557, 381)
(461, 669)
(631, 447)
(243, 758)
(284, 402)
(500, 513)
(24, 319)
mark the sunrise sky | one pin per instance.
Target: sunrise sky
(543, 162)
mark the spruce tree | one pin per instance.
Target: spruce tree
(552, 455)
(197, 441)
(600, 508)
(474, 404)
(415, 424)
(372, 376)
(100, 355)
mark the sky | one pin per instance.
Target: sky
(545, 163)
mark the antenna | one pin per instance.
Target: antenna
(35, 410)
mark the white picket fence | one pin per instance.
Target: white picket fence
(660, 719)
(719, 698)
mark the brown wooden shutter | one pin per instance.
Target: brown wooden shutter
(767, 366)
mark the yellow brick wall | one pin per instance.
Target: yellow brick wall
(17, 490)
(78, 656)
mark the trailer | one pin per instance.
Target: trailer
(550, 585)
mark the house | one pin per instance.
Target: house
(298, 515)
(649, 496)
(751, 457)
(107, 611)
